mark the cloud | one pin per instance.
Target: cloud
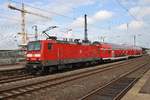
(78, 22)
(144, 2)
(75, 3)
(133, 25)
(62, 7)
(140, 12)
(122, 27)
(102, 15)
(98, 16)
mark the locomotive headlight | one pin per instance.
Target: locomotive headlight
(29, 55)
(37, 55)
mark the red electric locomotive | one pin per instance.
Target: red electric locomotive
(46, 55)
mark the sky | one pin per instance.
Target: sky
(117, 21)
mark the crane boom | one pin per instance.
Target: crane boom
(23, 12)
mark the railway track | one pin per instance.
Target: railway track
(15, 78)
(13, 75)
(13, 90)
(7, 73)
(21, 74)
(115, 89)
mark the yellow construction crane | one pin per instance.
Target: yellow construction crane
(23, 12)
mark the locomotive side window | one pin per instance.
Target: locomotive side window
(49, 46)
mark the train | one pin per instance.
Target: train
(44, 56)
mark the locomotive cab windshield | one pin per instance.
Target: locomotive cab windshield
(34, 45)
(33, 51)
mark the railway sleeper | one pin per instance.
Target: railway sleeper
(15, 92)
(22, 90)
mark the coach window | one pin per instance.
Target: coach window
(49, 46)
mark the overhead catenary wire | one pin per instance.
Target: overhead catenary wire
(9, 18)
(68, 17)
(126, 9)
(62, 15)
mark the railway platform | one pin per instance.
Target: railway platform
(141, 90)
(11, 67)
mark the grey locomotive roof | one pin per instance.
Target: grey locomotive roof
(123, 46)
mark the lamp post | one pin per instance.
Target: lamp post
(135, 38)
(36, 32)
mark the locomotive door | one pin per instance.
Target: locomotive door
(59, 54)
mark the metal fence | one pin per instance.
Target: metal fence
(11, 57)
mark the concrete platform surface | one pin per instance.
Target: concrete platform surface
(141, 90)
(146, 88)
